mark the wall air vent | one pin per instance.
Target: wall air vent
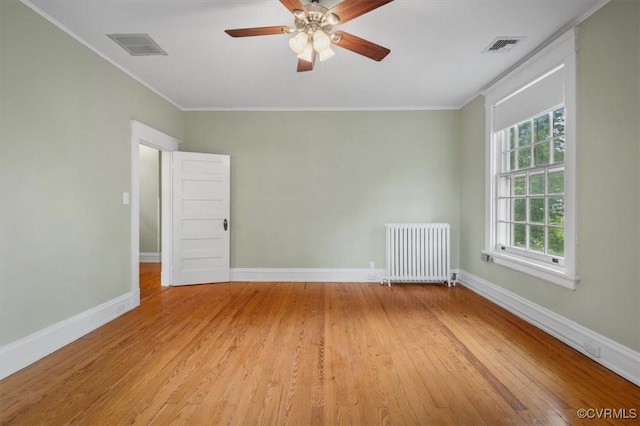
(503, 44)
(138, 44)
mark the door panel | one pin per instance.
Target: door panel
(201, 191)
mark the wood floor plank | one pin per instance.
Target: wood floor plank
(313, 354)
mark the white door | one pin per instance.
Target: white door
(200, 216)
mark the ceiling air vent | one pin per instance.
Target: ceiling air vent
(503, 44)
(138, 44)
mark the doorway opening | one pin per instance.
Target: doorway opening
(150, 220)
(142, 137)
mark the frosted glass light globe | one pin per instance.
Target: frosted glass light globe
(298, 43)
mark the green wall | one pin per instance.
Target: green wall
(314, 189)
(65, 155)
(309, 189)
(607, 299)
(149, 197)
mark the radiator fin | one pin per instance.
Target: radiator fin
(418, 252)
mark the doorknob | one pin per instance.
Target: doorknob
(225, 224)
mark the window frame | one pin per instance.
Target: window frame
(558, 55)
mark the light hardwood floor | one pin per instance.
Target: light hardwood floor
(314, 353)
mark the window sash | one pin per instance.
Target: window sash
(518, 136)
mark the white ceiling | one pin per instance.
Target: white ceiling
(436, 58)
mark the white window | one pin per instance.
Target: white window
(530, 218)
(530, 188)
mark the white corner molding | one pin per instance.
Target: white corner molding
(614, 356)
(24, 352)
(306, 275)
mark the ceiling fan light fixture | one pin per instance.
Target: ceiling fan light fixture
(298, 43)
(300, 14)
(306, 54)
(321, 41)
(326, 54)
(312, 33)
(336, 37)
(332, 19)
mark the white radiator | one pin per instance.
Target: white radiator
(418, 252)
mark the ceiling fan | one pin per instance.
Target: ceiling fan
(313, 29)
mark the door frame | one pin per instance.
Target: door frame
(141, 134)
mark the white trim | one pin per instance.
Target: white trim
(153, 138)
(571, 167)
(150, 257)
(531, 83)
(306, 275)
(558, 53)
(166, 213)
(614, 356)
(21, 353)
(58, 24)
(538, 270)
(141, 134)
(313, 109)
(555, 36)
(533, 69)
(571, 24)
(596, 7)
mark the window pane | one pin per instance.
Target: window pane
(558, 150)
(504, 212)
(519, 210)
(536, 238)
(524, 158)
(556, 211)
(524, 134)
(503, 233)
(504, 140)
(505, 162)
(536, 210)
(512, 138)
(558, 122)
(529, 200)
(504, 189)
(542, 128)
(556, 182)
(536, 184)
(519, 234)
(519, 186)
(556, 241)
(541, 154)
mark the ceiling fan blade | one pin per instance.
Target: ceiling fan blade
(304, 66)
(351, 9)
(361, 46)
(257, 31)
(292, 5)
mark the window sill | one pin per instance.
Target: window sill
(538, 270)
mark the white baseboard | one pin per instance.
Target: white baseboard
(150, 257)
(614, 356)
(307, 274)
(21, 353)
